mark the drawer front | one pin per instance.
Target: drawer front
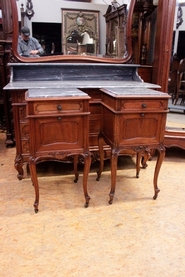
(134, 104)
(56, 107)
(143, 105)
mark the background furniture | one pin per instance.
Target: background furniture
(80, 29)
(6, 33)
(172, 82)
(180, 89)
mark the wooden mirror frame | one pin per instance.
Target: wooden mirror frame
(73, 58)
(161, 56)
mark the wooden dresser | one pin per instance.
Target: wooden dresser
(132, 118)
(58, 124)
(88, 77)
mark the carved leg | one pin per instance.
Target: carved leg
(157, 169)
(76, 168)
(18, 164)
(145, 157)
(114, 162)
(138, 160)
(87, 164)
(32, 167)
(101, 153)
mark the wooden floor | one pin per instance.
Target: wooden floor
(135, 236)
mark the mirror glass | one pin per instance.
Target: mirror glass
(80, 44)
(176, 116)
(80, 31)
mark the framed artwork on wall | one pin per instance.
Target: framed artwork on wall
(80, 32)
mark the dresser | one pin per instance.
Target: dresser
(132, 118)
(58, 126)
(88, 77)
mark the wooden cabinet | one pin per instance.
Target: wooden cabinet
(89, 78)
(132, 119)
(115, 18)
(5, 48)
(58, 128)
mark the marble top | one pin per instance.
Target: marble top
(54, 92)
(78, 84)
(120, 91)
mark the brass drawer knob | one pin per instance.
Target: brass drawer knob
(143, 105)
(59, 118)
(59, 107)
(142, 114)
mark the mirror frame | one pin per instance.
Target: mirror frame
(71, 58)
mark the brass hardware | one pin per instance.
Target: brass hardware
(59, 107)
(143, 105)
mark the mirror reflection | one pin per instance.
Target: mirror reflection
(80, 30)
(176, 80)
(81, 44)
(84, 36)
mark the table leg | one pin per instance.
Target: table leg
(101, 153)
(32, 167)
(157, 169)
(19, 167)
(87, 164)
(76, 168)
(114, 162)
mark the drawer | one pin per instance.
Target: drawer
(56, 107)
(143, 105)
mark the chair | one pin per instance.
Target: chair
(172, 80)
(180, 83)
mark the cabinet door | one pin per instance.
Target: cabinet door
(133, 128)
(58, 133)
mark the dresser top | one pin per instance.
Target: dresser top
(78, 84)
(55, 93)
(120, 92)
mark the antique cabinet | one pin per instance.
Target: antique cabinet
(89, 78)
(115, 18)
(58, 122)
(5, 48)
(132, 119)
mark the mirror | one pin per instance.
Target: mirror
(159, 67)
(176, 117)
(80, 31)
(77, 56)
